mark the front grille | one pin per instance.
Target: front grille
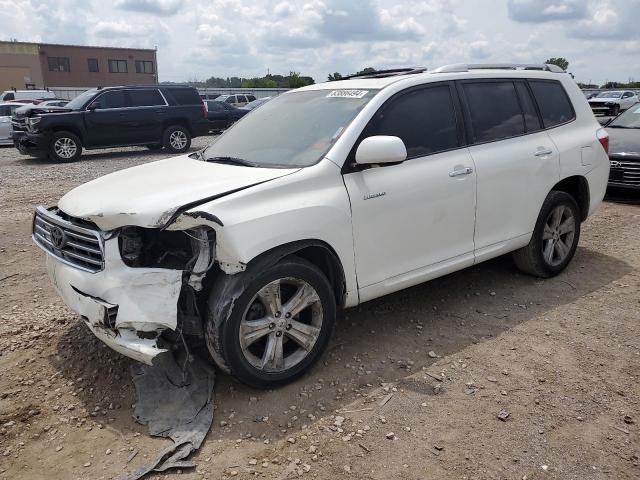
(19, 124)
(74, 245)
(624, 171)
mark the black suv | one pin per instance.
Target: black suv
(155, 116)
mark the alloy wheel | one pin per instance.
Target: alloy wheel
(65, 147)
(558, 235)
(281, 325)
(178, 140)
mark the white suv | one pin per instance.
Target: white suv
(326, 197)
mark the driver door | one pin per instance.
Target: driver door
(107, 119)
(414, 220)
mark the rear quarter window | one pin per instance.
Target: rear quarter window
(9, 96)
(185, 96)
(553, 102)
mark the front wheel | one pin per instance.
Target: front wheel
(176, 139)
(65, 147)
(555, 237)
(278, 321)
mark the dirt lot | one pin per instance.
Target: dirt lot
(411, 387)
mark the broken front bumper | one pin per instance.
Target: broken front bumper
(127, 308)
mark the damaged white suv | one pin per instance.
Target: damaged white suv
(324, 198)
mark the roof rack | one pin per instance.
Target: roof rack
(387, 73)
(465, 67)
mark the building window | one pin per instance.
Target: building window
(118, 66)
(143, 66)
(58, 64)
(92, 63)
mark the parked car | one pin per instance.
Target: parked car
(256, 103)
(209, 96)
(326, 197)
(237, 100)
(26, 95)
(222, 115)
(624, 149)
(57, 102)
(6, 112)
(158, 117)
(612, 103)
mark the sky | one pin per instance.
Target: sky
(197, 39)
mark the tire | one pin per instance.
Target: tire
(552, 246)
(240, 303)
(176, 139)
(65, 147)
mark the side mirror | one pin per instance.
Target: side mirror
(93, 106)
(381, 149)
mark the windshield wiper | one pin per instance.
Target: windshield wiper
(197, 155)
(231, 161)
(619, 126)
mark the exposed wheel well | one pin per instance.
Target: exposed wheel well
(315, 251)
(578, 187)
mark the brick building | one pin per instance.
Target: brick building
(43, 65)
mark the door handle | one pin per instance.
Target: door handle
(462, 171)
(542, 152)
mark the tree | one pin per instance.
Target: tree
(334, 76)
(562, 62)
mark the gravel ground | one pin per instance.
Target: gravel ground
(485, 373)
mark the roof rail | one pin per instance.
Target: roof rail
(465, 67)
(386, 73)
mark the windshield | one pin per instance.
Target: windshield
(610, 95)
(629, 119)
(293, 130)
(81, 99)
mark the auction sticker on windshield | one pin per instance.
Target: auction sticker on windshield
(347, 93)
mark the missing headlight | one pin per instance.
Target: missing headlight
(154, 248)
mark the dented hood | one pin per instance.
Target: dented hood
(149, 195)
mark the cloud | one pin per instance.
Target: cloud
(610, 21)
(155, 7)
(538, 11)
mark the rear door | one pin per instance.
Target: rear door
(107, 119)
(516, 161)
(147, 115)
(218, 115)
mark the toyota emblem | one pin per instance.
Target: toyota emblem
(58, 237)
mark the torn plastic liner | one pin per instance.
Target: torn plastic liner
(174, 397)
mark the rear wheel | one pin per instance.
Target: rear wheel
(555, 237)
(65, 147)
(278, 325)
(176, 139)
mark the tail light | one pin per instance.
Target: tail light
(603, 138)
(204, 109)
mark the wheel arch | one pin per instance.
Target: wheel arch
(68, 128)
(182, 122)
(578, 187)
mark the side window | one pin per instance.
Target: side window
(215, 106)
(9, 96)
(424, 119)
(555, 106)
(250, 98)
(242, 99)
(231, 99)
(531, 120)
(145, 98)
(494, 110)
(4, 111)
(627, 95)
(184, 96)
(113, 99)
